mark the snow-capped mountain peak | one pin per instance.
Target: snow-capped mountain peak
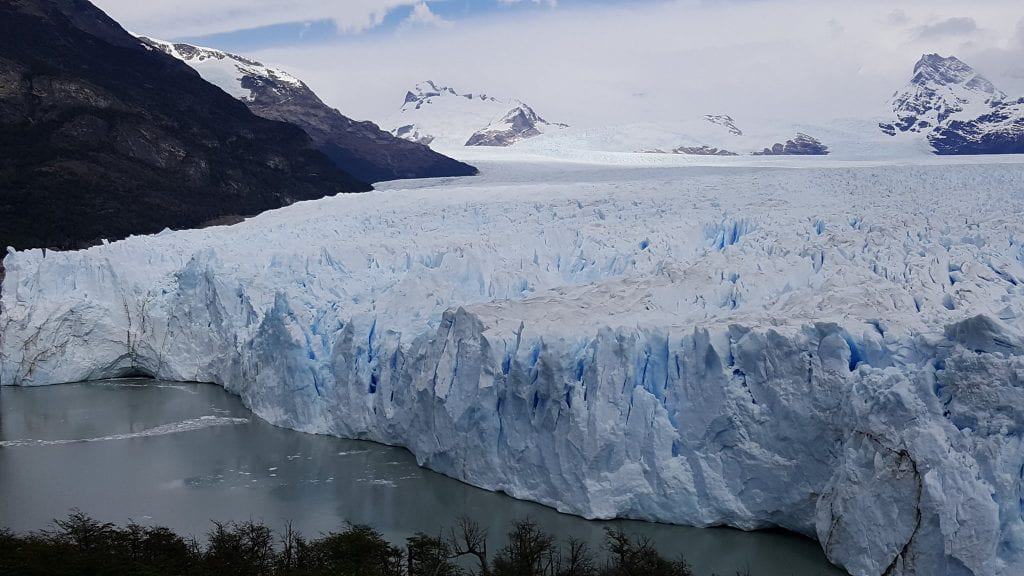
(518, 123)
(941, 89)
(433, 113)
(935, 70)
(957, 109)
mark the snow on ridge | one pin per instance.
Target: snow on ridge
(223, 69)
(816, 349)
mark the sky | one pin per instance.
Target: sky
(604, 62)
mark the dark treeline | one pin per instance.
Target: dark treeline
(81, 546)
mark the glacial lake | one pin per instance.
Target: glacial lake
(181, 455)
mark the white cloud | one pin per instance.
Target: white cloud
(897, 17)
(175, 18)
(421, 15)
(584, 64)
(955, 26)
(551, 3)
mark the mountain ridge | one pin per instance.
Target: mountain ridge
(360, 148)
(104, 138)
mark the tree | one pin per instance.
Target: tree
(529, 552)
(467, 538)
(429, 556)
(638, 557)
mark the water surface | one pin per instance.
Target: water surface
(181, 455)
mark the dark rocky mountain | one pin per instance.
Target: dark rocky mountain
(103, 137)
(1000, 131)
(360, 148)
(800, 145)
(958, 110)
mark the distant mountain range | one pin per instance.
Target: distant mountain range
(946, 108)
(104, 137)
(438, 115)
(720, 135)
(360, 148)
(957, 109)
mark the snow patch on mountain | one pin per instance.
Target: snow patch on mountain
(834, 351)
(229, 72)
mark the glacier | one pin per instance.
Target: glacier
(831, 348)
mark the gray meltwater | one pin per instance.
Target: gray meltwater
(181, 455)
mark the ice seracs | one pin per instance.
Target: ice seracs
(442, 117)
(835, 351)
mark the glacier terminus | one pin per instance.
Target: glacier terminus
(832, 348)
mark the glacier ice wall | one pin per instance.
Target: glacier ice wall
(835, 351)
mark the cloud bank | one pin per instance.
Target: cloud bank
(593, 64)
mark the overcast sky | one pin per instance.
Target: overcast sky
(592, 63)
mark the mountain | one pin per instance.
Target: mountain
(360, 148)
(104, 137)
(799, 145)
(998, 131)
(440, 116)
(519, 123)
(957, 109)
(721, 135)
(941, 89)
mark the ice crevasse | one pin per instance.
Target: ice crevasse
(834, 351)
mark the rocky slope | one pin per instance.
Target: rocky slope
(958, 110)
(103, 137)
(799, 145)
(360, 148)
(440, 116)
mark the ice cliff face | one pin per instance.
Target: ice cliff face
(833, 351)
